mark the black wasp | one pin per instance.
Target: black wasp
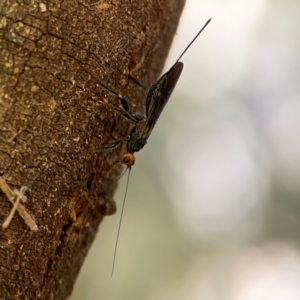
(156, 100)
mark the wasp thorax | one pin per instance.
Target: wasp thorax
(128, 159)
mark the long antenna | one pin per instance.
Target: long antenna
(120, 222)
(193, 40)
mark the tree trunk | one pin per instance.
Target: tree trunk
(54, 122)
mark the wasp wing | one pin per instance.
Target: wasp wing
(159, 95)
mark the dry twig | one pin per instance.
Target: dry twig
(11, 195)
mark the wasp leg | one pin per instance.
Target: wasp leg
(113, 145)
(125, 104)
(126, 112)
(110, 146)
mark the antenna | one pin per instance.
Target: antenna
(120, 222)
(193, 40)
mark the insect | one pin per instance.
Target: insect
(156, 99)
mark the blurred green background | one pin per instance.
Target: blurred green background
(213, 207)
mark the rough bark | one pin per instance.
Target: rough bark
(53, 118)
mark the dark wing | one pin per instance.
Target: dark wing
(159, 95)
